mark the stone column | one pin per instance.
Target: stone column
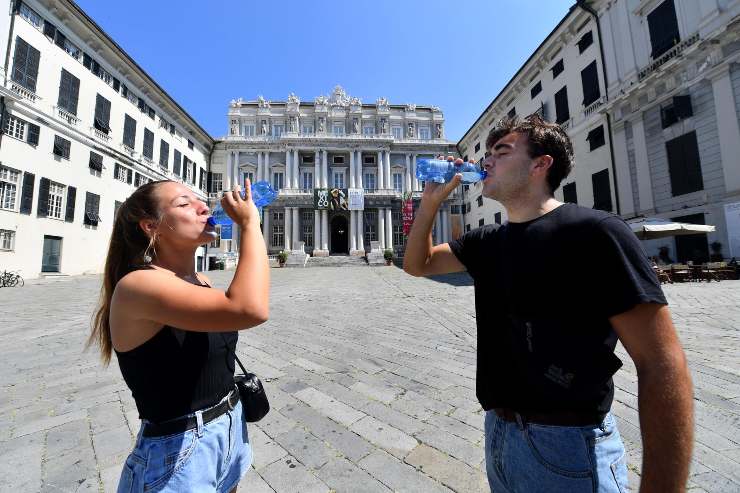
(414, 180)
(358, 180)
(266, 165)
(622, 166)
(353, 232)
(316, 231)
(644, 182)
(229, 171)
(325, 230)
(381, 227)
(288, 170)
(287, 227)
(295, 237)
(235, 170)
(352, 169)
(389, 228)
(297, 166)
(445, 225)
(407, 174)
(728, 129)
(317, 178)
(325, 169)
(361, 232)
(266, 232)
(380, 171)
(387, 178)
(260, 175)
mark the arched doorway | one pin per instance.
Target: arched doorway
(339, 236)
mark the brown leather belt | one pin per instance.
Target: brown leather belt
(185, 423)
(562, 418)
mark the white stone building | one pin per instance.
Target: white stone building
(83, 125)
(334, 142)
(674, 91)
(563, 81)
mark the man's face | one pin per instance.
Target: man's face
(508, 165)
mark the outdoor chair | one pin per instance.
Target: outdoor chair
(709, 272)
(680, 272)
(664, 273)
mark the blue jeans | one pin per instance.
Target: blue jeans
(211, 458)
(539, 458)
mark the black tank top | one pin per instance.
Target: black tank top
(178, 372)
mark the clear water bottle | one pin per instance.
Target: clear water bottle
(262, 194)
(442, 171)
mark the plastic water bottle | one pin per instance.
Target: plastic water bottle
(442, 171)
(262, 194)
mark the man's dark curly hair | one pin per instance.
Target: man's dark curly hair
(542, 138)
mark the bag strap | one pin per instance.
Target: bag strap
(235, 356)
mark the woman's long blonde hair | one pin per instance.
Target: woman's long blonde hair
(129, 245)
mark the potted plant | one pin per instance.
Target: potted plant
(716, 255)
(388, 256)
(282, 257)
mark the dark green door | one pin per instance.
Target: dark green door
(52, 254)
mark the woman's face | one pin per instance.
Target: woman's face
(183, 216)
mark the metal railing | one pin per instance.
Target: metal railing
(23, 92)
(667, 56)
(100, 134)
(66, 116)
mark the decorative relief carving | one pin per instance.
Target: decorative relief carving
(262, 103)
(383, 126)
(355, 125)
(438, 130)
(292, 98)
(382, 104)
(410, 108)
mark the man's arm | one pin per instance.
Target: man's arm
(664, 395)
(421, 258)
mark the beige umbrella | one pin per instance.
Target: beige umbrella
(651, 228)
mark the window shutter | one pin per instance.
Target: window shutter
(27, 194)
(676, 167)
(32, 68)
(148, 149)
(71, 196)
(562, 113)
(682, 106)
(49, 29)
(570, 194)
(602, 190)
(69, 89)
(694, 180)
(176, 164)
(20, 60)
(102, 114)
(129, 131)
(59, 40)
(590, 82)
(129, 176)
(33, 134)
(116, 84)
(92, 203)
(86, 61)
(209, 178)
(96, 161)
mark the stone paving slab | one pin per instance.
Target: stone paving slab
(370, 374)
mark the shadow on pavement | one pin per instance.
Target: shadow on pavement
(456, 279)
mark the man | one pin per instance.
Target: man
(555, 287)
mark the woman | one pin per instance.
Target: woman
(175, 337)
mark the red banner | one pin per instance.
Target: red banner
(408, 215)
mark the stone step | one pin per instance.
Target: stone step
(336, 261)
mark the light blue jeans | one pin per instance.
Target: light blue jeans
(211, 458)
(535, 458)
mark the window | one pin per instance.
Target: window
(31, 16)
(164, 154)
(596, 138)
(277, 180)
(399, 239)
(602, 190)
(338, 159)
(307, 180)
(177, 163)
(679, 108)
(21, 130)
(467, 228)
(129, 132)
(585, 41)
(92, 209)
(96, 162)
(369, 182)
(216, 243)
(562, 113)
(122, 174)
(7, 239)
(102, 114)
(249, 130)
(140, 180)
(278, 229)
(277, 130)
(217, 182)
(371, 226)
(455, 209)
(663, 27)
(307, 228)
(338, 179)
(148, 149)
(10, 180)
(398, 182)
(368, 130)
(497, 218)
(590, 81)
(467, 208)
(307, 159)
(56, 200)
(25, 64)
(337, 129)
(307, 129)
(61, 147)
(557, 68)
(397, 132)
(116, 205)
(190, 144)
(481, 222)
(477, 147)
(479, 201)
(368, 159)
(69, 90)
(512, 112)
(203, 182)
(684, 164)
(424, 133)
(569, 193)
(187, 170)
(536, 89)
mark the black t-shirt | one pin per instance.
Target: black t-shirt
(544, 292)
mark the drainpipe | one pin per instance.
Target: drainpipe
(585, 6)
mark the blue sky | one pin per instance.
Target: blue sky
(453, 54)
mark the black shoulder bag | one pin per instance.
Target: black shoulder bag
(251, 392)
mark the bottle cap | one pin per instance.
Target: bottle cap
(211, 221)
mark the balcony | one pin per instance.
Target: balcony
(100, 135)
(147, 160)
(591, 108)
(128, 150)
(23, 92)
(667, 56)
(66, 116)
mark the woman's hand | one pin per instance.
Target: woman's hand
(241, 210)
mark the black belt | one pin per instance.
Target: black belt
(181, 425)
(562, 418)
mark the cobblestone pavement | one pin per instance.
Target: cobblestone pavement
(370, 374)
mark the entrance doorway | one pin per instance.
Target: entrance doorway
(692, 247)
(339, 236)
(52, 253)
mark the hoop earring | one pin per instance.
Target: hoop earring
(146, 257)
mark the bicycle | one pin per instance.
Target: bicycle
(11, 279)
